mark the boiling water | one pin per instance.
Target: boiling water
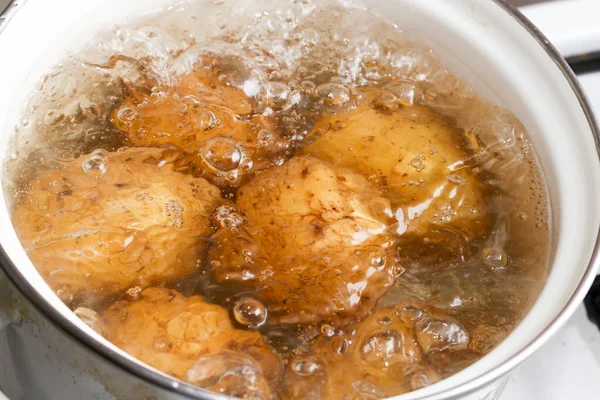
(357, 222)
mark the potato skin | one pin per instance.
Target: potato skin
(139, 223)
(309, 239)
(419, 161)
(192, 114)
(178, 335)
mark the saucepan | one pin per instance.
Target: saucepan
(47, 352)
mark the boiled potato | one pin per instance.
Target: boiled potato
(418, 160)
(191, 340)
(383, 356)
(310, 239)
(108, 222)
(214, 123)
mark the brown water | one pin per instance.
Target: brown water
(280, 201)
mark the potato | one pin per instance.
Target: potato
(418, 160)
(129, 221)
(191, 340)
(383, 356)
(214, 123)
(309, 239)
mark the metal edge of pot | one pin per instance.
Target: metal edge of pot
(184, 389)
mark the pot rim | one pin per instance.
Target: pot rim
(178, 387)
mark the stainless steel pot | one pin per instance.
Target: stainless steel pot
(47, 353)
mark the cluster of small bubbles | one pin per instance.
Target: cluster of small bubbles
(96, 164)
(134, 292)
(227, 217)
(250, 312)
(174, 210)
(305, 366)
(221, 154)
(369, 390)
(140, 196)
(336, 94)
(417, 164)
(494, 257)
(276, 95)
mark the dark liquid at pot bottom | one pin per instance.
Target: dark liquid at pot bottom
(329, 215)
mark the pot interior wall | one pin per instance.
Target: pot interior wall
(478, 40)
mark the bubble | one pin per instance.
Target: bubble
(457, 180)
(265, 138)
(305, 366)
(381, 347)
(230, 374)
(339, 345)
(221, 154)
(160, 344)
(377, 260)
(435, 334)
(369, 390)
(134, 291)
(276, 95)
(405, 91)
(206, 120)
(334, 93)
(417, 164)
(127, 114)
(97, 164)
(494, 257)
(387, 101)
(250, 312)
(327, 330)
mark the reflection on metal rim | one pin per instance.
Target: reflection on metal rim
(8, 12)
(192, 392)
